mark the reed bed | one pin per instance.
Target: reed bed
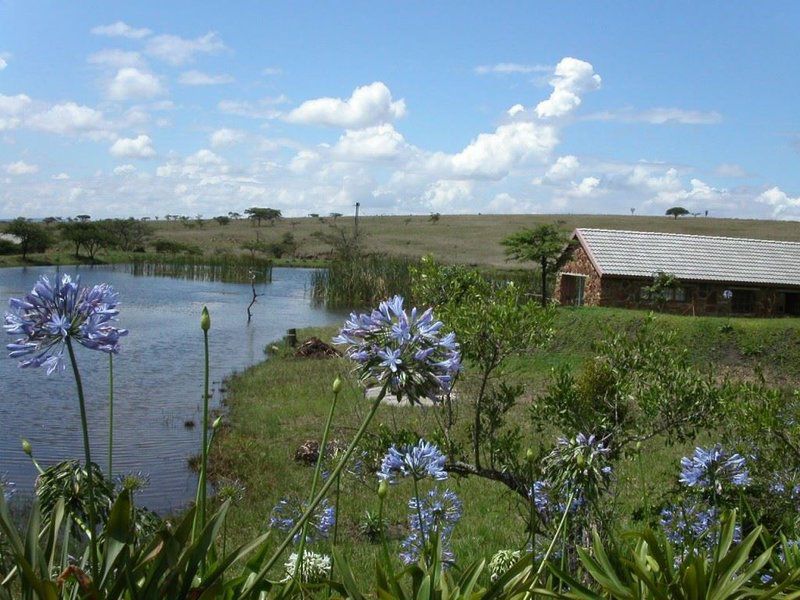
(362, 281)
(226, 268)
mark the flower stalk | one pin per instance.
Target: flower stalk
(321, 494)
(88, 456)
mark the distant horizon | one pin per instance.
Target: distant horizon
(305, 107)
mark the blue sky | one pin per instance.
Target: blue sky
(146, 108)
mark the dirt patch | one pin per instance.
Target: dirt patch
(315, 348)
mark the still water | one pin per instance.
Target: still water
(157, 376)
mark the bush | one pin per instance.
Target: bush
(173, 247)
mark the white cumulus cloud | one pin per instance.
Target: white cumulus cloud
(572, 79)
(177, 51)
(138, 147)
(781, 203)
(12, 109)
(226, 137)
(367, 106)
(132, 84)
(200, 78)
(69, 118)
(116, 58)
(21, 168)
(380, 142)
(494, 155)
(121, 29)
(3, 63)
(511, 68)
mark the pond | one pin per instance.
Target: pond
(158, 374)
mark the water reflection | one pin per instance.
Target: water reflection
(158, 385)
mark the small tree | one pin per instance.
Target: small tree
(257, 215)
(92, 236)
(434, 218)
(676, 211)
(661, 290)
(222, 220)
(33, 237)
(128, 234)
(543, 245)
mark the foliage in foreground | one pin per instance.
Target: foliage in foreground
(696, 548)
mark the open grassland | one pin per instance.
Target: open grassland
(467, 239)
(278, 405)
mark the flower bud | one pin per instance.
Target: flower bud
(383, 489)
(529, 455)
(581, 460)
(337, 385)
(205, 320)
(26, 447)
(217, 422)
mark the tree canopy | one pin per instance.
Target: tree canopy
(258, 214)
(543, 245)
(33, 237)
(676, 211)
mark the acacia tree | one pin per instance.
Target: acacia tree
(33, 237)
(676, 211)
(257, 215)
(543, 245)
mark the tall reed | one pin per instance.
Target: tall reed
(362, 280)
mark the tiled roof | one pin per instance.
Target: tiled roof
(692, 257)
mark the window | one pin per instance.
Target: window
(743, 301)
(678, 294)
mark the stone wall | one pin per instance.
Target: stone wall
(579, 263)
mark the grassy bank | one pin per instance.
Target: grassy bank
(467, 239)
(278, 405)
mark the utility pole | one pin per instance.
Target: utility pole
(358, 204)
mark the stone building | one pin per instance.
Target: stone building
(714, 275)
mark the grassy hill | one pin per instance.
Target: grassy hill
(469, 239)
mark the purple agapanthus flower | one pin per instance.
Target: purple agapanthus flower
(418, 461)
(713, 468)
(684, 524)
(434, 514)
(288, 512)
(57, 311)
(404, 351)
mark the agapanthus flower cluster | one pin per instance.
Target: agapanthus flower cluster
(56, 311)
(578, 466)
(435, 514)
(692, 521)
(404, 351)
(550, 501)
(228, 489)
(315, 568)
(501, 563)
(416, 461)
(713, 469)
(133, 482)
(288, 512)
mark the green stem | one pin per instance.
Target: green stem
(336, 511)
(320, 458)
(110, 414)
(88, 456)
(204, 456)
(419, 515)
(555, 537)
(320, 495)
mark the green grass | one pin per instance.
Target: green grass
(276, 406)
(467, 239)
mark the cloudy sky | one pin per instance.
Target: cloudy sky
(145, 108)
